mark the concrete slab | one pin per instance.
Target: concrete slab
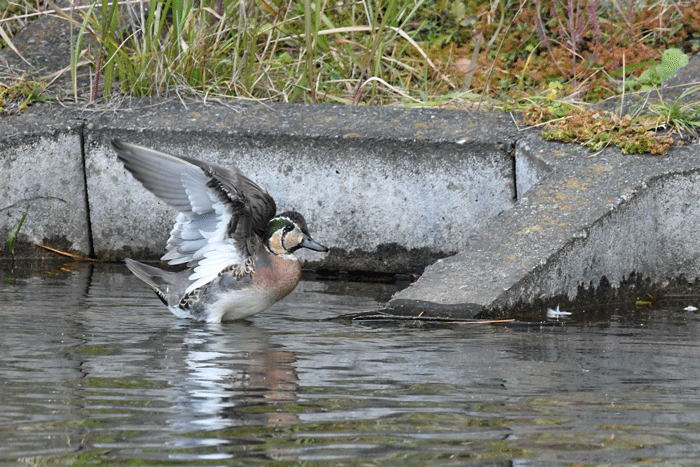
(593, 218)
(42, 174)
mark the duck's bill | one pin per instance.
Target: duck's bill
(312, 245)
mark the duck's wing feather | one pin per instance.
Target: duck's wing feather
(221, 211)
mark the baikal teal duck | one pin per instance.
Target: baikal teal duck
(239, 254)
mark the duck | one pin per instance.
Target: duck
(239, 255)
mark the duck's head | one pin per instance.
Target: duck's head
(287, 232)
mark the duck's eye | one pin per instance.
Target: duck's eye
(288, 228)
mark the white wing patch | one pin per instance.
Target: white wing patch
(186, 238)
(219, 251)
(200, 234)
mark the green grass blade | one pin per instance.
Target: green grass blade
(12, 238)
(76, 51)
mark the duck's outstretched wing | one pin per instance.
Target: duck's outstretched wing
(221, 211)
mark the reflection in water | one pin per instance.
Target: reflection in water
(231, 366)
(95, 371)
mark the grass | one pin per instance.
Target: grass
(277, 51)
(682, 118)
(550, 58)
(12, 237)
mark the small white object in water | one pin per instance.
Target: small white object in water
(690, 308)
(556, 313)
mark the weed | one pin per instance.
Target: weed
(671, 61)
(277, 50)
(21, 94)
(597, 129)
(12, 238)
(394, 51)
(576, 23)
(683, 119)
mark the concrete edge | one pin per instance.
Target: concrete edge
(588, 226)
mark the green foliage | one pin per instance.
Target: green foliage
(651, 130)
(671, 61)
(21, 94)
(682, 118)
(277, 50)
(597, 130)
(393, 51)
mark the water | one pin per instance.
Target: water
(95, 371)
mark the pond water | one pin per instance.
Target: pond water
(95, 371)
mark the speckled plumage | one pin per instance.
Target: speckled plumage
(239, 255)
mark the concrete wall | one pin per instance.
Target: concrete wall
(389, 190)
(655, 235)
(43, 176)
(365, 179)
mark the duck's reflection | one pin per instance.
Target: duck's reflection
(233, 377)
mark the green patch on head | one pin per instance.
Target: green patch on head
(275, 225)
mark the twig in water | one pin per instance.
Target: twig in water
(65, 253)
